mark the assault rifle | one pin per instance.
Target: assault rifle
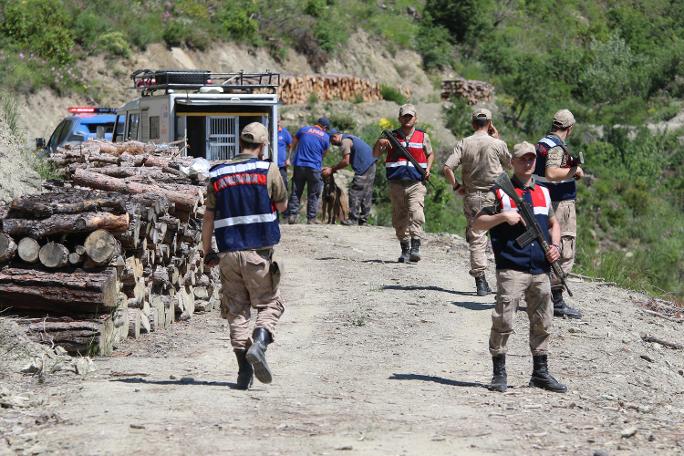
(396, 145)
(534, 231)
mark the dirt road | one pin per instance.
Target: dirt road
(373, 357)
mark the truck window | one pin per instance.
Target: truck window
(54, 139)
(120, 124)
(133, 121)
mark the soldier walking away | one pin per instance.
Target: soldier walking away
(310, 144)
(242, 198)
(356, 152)
(522, 271)
(284, 147)
(482, 156)
(557, 170)
(406, 187)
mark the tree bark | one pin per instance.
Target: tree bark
(65, 224)
(84, 336)
(58, 292)
(7, 247)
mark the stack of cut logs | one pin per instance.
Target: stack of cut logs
(112, 252)
(472, 91)
(298, 89)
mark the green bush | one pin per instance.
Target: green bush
(42, 26)
(343, 122)
(88, 27)
(390, 93)
(114, 43)
(434, 45)
(238, 19)
(458, 117)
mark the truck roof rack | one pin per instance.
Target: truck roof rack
(148, 81)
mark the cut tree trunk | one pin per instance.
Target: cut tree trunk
(101, 246)
(58, 292)
(54, 255)
(65, 224)
(7, 248)
(28, 250)
(187, 201)
(84, 336)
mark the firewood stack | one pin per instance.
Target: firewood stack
(113, 252)
(472, 91)
(298, 89)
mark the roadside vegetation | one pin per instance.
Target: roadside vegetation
(617, 65)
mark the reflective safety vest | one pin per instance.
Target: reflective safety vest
(245, 218)
(398, 167)
(507, 253)
(560, 191)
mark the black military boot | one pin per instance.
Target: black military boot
(245, 371)
(405, 248)
(256, 355)
(541, 377)
(560, 308)
(499, 378)
(415, 250)
(482, 286)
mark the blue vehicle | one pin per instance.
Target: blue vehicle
(84, 123)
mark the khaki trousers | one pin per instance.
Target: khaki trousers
(408, 201)
(511, 287)
(567, 219)
(249, 279)
(477, 239)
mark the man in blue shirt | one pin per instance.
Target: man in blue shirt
(310, 144)
(284, 143)
(360, 155)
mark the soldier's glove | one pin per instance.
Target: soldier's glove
(211, 259)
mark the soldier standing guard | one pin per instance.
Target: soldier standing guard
(483, 157)
(521, 271)
(242, 199)
(406, 187)
(556, 170)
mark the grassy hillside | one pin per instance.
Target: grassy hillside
(617, 65)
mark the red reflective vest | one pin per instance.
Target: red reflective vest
(398, 167)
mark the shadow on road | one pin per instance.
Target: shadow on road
(440, 380)
(427, 288)
(351, 259)
(182, 381)
(473, 305)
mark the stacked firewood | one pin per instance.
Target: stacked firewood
(472, 91)
(112, 252)
(298, 89)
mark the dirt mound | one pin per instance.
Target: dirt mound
(16, 175)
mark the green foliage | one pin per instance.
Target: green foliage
(466, 20)
(390, 93)
(342, 122)
(88, 27)
(42, 26)
(238, 19)
(458, 117)
(433, 43)
(114, 43)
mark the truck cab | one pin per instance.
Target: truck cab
(201, 111)
(82, 124)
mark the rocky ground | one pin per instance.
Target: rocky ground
(371, 357)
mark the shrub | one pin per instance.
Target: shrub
(237, 18)
(434, 45)
(343, 122)
(390, 93)
(114, 43)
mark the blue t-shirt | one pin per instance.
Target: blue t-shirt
(284, 140)
(312, 144)
(361, 154)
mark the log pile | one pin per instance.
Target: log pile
(112, 252)
(298, 89)
(472, 91)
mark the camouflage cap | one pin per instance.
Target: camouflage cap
(407, 109)
(522, 149)
(254, 133)
(563, 119)
(482, 113)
